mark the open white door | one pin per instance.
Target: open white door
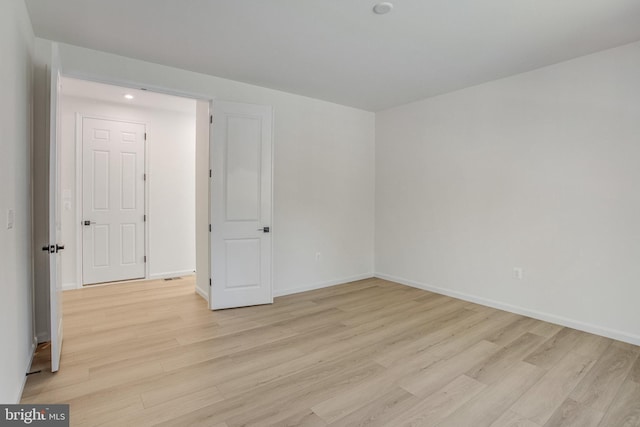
(55, 285)
(241, 187)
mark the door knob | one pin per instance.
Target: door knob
(87, 223)
(53, 249)
(264, 229)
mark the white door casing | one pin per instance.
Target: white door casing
(241, 191)
(113, 173)
(55, 269)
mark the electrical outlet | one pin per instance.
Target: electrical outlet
(10, 219)
(517, 273)
(318, 256)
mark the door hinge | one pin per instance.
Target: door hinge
(144, 218)
(209, 228)
(210, 173)
(211, 118)
(209, 282)
(145, 136)
(144, 176)
(145, 258)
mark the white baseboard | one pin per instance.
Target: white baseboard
(156, 276)
(170, 274)
(547, 317)
(283, 292)
(32, 353)
(69, 286)
(203, 294)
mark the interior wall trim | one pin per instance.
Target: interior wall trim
(540, 315)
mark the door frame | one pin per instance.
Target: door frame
(56, 325)
(196, 96)
(78, 218)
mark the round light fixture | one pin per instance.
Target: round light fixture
(382, 8)
(128, 96)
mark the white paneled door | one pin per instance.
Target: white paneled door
(241, 187)
(112, 200)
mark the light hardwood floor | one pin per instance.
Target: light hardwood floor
(369, 353)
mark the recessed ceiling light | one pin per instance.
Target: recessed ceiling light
(382, 8)
(128, 96)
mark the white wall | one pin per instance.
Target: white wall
(323, 171)
(539, 171)
(170, 178)
(16, 294)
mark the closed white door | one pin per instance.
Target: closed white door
(113, 200)
(241, 190)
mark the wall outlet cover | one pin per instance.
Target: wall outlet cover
(10, 218)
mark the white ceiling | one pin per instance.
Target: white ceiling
(339, 50)
(115, 94)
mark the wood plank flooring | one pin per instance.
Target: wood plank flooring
(371, 353)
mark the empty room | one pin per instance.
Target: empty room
(320, 213)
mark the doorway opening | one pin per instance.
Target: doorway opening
(127, 184)
(234, 151)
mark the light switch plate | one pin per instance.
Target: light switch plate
(10, 218)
